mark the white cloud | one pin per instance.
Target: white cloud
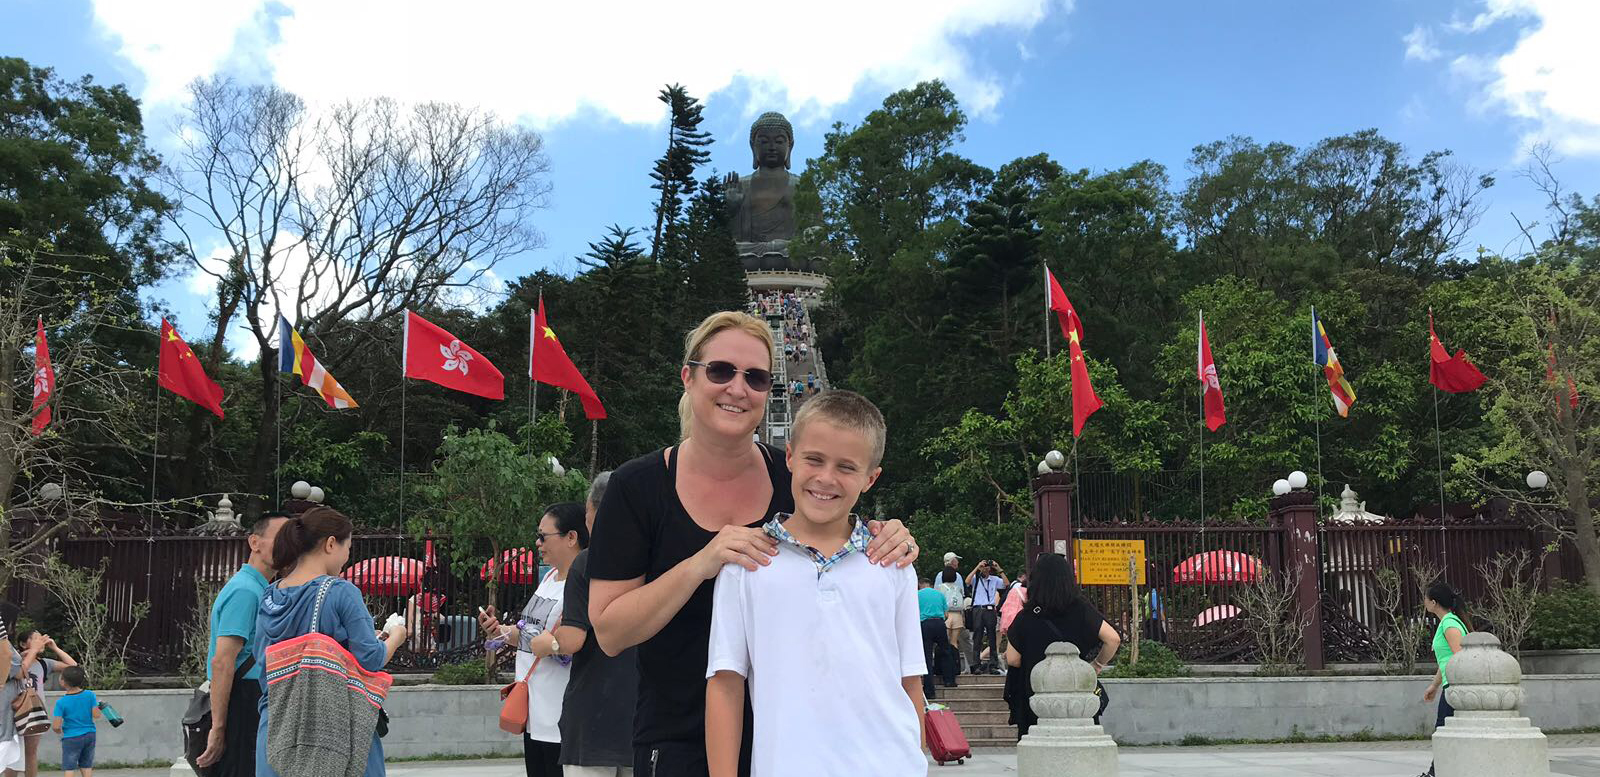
(1420, 45)
(1547, 80)
(547, 62)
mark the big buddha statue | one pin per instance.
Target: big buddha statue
(761, 204)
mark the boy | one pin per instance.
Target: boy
(74, 717)
(828, 641)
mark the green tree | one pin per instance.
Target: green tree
(74, 172)
(674, 172)
(487, 490)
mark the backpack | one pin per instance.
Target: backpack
(322, 707)
(196, 721)
(952, 597)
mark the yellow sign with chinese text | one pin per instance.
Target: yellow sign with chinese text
(1105, 562)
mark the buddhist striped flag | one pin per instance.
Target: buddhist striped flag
(295, 357)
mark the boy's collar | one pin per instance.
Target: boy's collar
(858, 540)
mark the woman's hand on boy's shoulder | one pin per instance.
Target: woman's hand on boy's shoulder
(892, 543)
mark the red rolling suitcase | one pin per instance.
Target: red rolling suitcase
(945, 739)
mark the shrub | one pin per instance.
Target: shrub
(1566, 617)
(1155, 660)
(471, 672)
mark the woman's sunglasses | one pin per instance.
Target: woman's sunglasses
(722, 372)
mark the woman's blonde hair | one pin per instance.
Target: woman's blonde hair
(694, 345)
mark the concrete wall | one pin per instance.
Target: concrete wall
(423, 720)
(1533, 662)
(1147, 712)
(462, 720)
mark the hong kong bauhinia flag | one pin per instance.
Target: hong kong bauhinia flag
(434, 355)
(1084, 401)
(1216, 414)
(44, 381)
(548, 363)
(180, 372)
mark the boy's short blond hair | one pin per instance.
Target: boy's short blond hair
(847, 410)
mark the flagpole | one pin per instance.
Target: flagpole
(533, 340)
(277, 467)
(1202, 446)
(1438, 445)
(155, 442)
(1046, 306)
(1316, 419)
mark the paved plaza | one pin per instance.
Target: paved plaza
(1571, 755)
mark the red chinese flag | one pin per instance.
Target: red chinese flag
(1550, 375)
(1063, 308)
(44, 381)
(1216, 413)
(436, 356)
(548, 363)
(1450, 373)
(1084, 400)
(181, 373)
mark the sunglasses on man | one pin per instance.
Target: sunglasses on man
(720, 372)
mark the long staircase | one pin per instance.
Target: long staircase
(978, 702)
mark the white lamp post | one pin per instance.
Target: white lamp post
(300, 489)
(1297, 479)
(1280, 487)
(1537, 480)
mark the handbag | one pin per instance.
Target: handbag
(28, 712)
(196, 723)
(514, 702)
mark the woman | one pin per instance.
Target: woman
(955, 618)
(1441, 602)
(11, 756)
(310, 547)
(670, 520)
(562, 533)
(1056, 612)
(31, 670)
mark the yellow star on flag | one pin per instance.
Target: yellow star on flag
(550, 333)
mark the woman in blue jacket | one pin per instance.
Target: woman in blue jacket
(310, 547)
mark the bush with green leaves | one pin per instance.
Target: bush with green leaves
(471, 672)
(1566, 617)
(1155, 660)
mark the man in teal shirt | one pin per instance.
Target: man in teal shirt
(931, 605)
(235, 695)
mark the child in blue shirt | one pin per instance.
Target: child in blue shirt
(74, 718)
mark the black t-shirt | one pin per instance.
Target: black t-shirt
(597, 711)
(1033, 631)
(643, 530)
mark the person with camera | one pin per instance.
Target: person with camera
(985, 581)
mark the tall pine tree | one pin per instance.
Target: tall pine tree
(674, 171)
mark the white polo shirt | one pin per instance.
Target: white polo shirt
(824, 653)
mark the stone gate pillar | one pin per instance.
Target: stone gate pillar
(1052, 515)
(1296, 513)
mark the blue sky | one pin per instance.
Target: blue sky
(1094, 84)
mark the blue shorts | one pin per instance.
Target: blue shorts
(77, 752)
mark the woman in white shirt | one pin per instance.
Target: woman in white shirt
(562, 533)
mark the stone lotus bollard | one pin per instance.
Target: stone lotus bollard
(1065, 742)
(1487, 734)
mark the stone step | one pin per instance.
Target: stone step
(976, 734)
(972, 718)
(970, 692)
(963, 706)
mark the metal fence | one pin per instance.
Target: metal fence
(1188, 610)
(175, 574)
(1197, 615)
(1200, 618)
